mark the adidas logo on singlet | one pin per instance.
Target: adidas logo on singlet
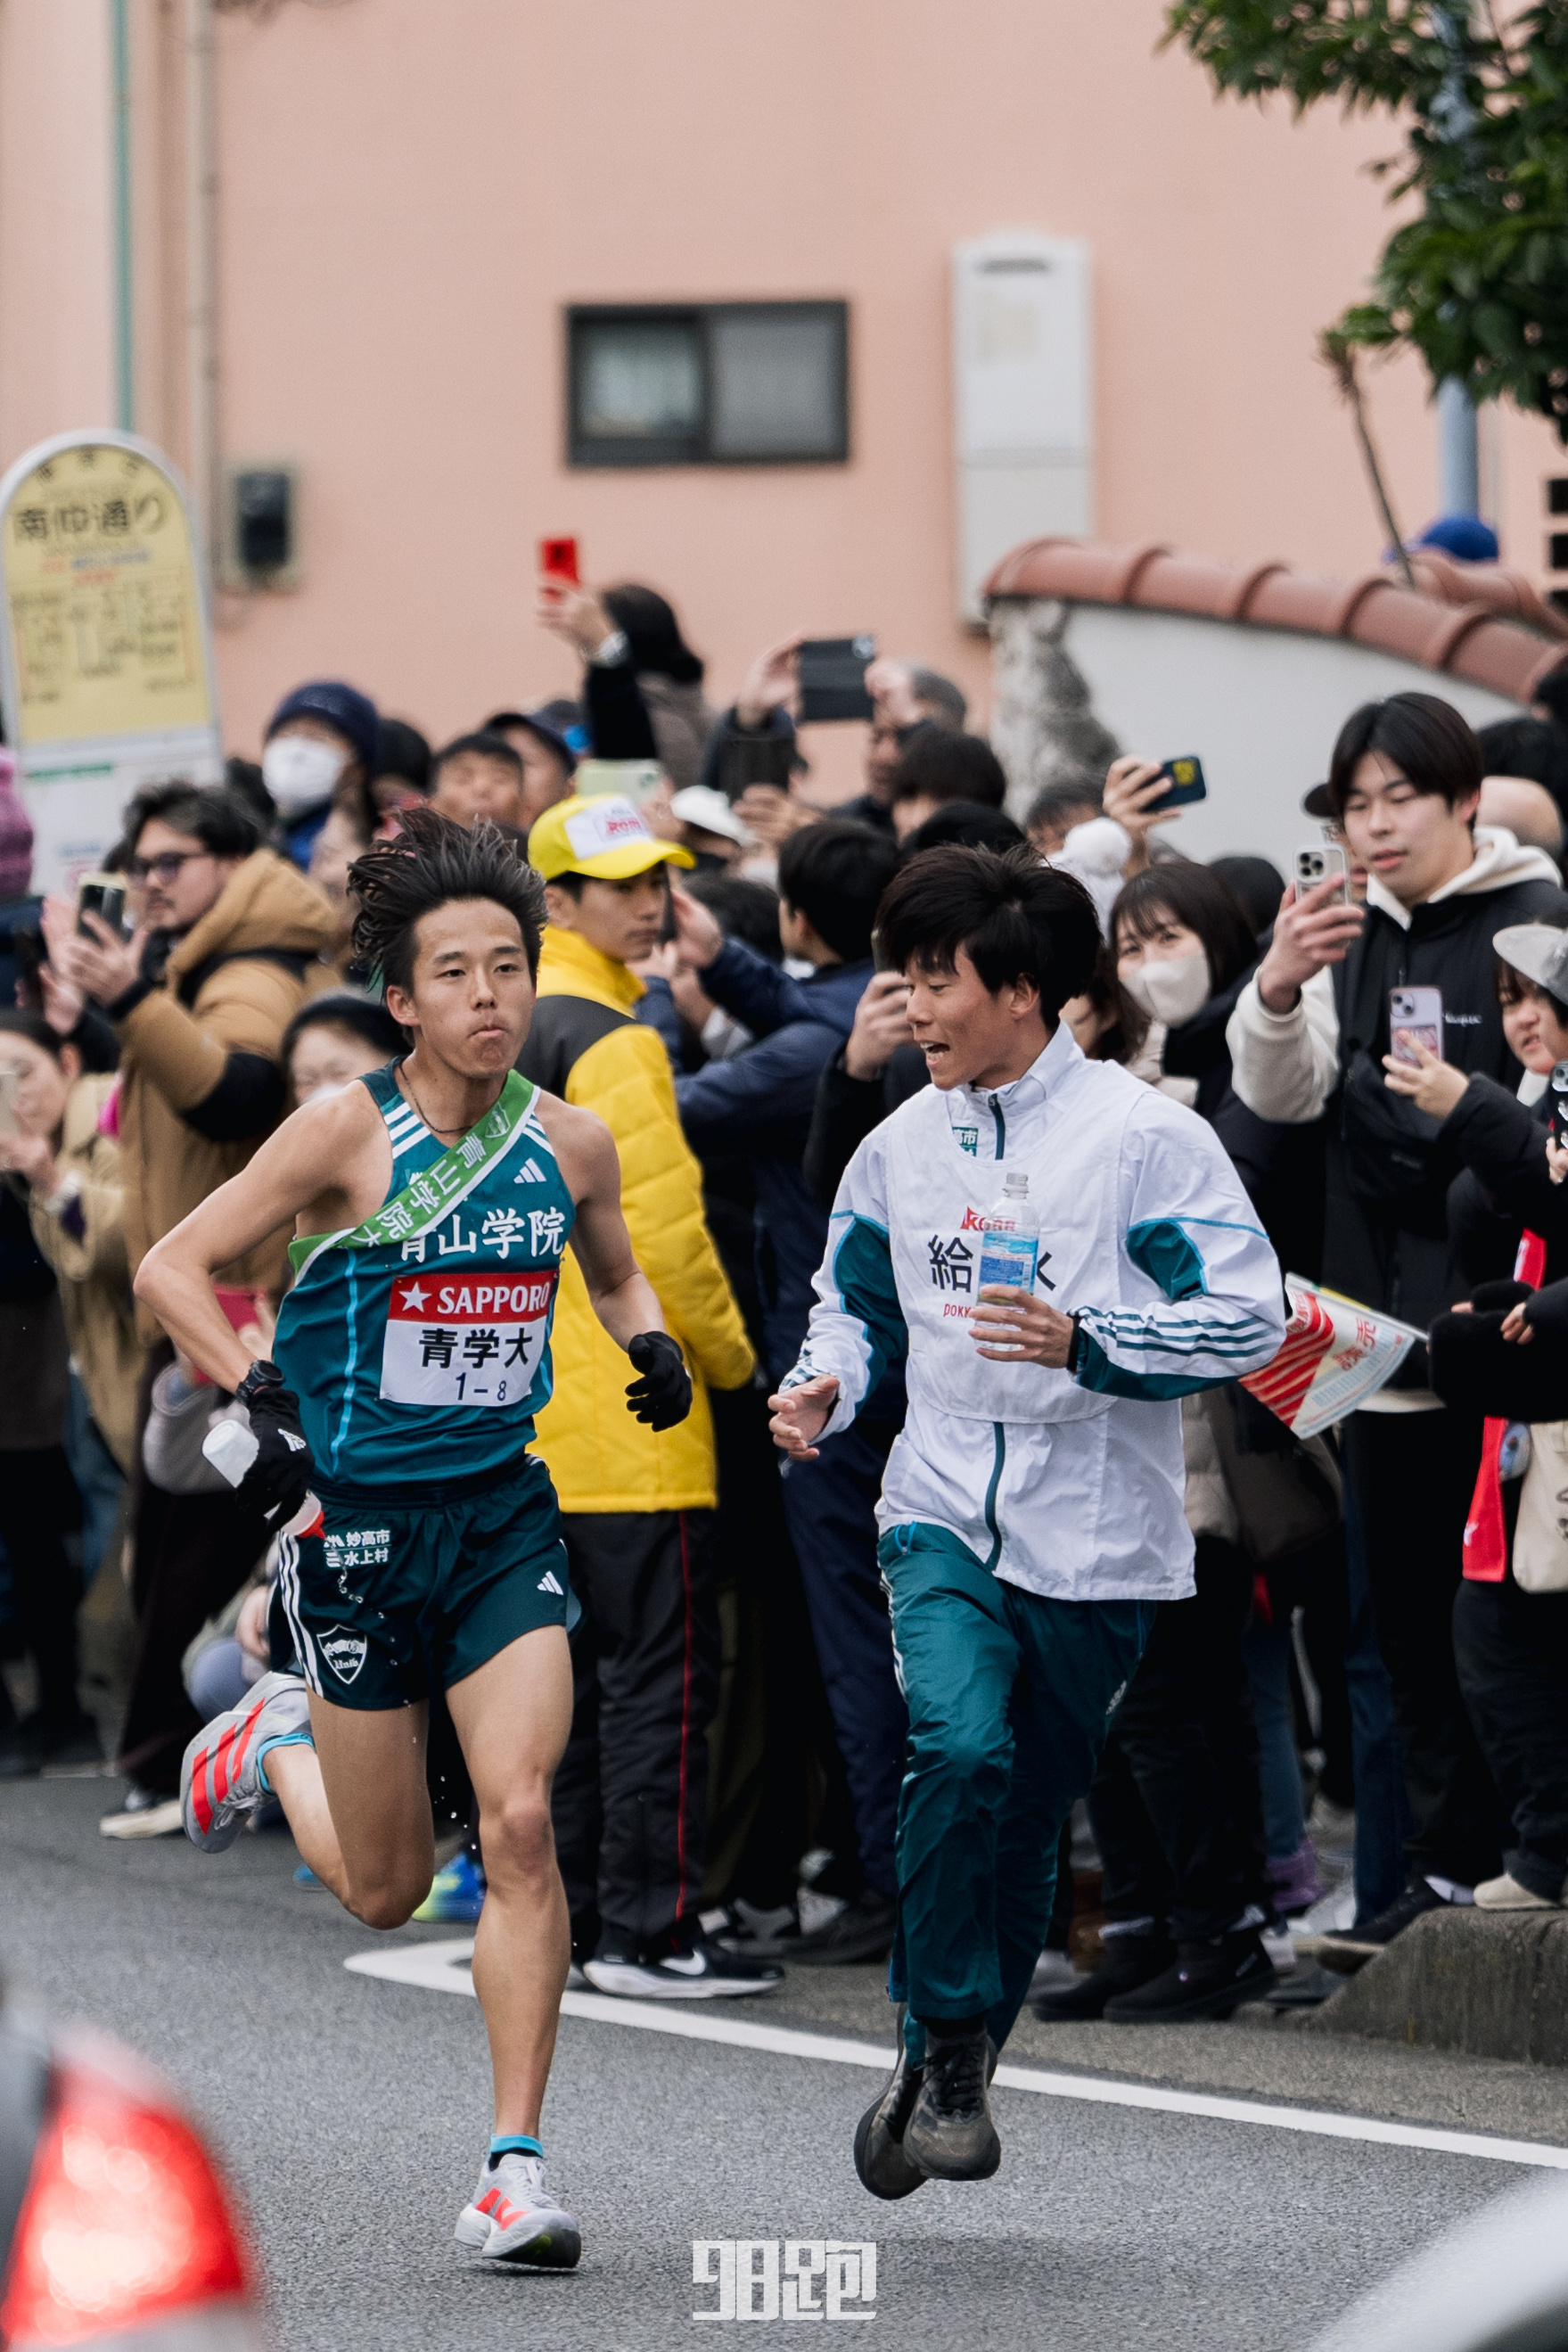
(530, 1172)
(548, 1583)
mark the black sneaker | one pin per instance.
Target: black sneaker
(39, 1744)
(950, 2135)
(755, 1934)
(880, 2159)
(1127, 1962)
(863, 1930)
(1349, 1949)
(1207, 1980)
(705, 1972)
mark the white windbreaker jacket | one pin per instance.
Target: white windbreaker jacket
(1067, 1483)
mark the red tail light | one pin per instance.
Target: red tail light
(125, 2217)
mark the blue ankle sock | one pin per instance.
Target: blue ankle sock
(514, 2143)
(283, 1740)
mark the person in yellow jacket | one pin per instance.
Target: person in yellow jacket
(631, 1796)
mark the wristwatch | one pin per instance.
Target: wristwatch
(261, 1375)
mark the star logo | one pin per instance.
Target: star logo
(414, 1296)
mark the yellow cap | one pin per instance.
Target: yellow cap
(603, 837)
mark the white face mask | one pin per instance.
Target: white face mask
(297, 769)
(1171, 989)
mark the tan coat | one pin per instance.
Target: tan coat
(82, 1234)
(268, 924)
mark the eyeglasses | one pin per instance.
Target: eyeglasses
(165, 868)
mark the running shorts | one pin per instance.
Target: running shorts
(411, 1588)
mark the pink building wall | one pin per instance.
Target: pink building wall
(409, 194)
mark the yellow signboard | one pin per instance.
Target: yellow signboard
(105, 604)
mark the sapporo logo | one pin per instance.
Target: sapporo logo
(792, 2278)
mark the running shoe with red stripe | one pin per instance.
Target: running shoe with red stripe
(220, 1779)
(513, 2219)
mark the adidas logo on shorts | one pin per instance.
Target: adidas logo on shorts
(530, 1172)
(548, 1583)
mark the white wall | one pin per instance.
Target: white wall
(1260, 707)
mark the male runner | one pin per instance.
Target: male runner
(1031, 1511)
(432, 1200)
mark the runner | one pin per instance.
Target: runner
(1032, 1510)
(432, 1200)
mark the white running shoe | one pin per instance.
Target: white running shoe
(707, 1972)
(220, 1779)
(513, 2219)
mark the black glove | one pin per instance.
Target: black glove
(663, 1394)
(280, 1478)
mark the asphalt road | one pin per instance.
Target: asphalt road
(353, 2112)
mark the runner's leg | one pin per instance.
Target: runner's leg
(359, 1807)
(513, 1715)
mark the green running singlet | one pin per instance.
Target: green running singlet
(418, 1343)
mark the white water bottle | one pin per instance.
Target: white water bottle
(1010, 1250)
(231, 1446)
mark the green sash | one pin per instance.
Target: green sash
(431, 1195)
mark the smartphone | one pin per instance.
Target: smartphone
(832, 678)
(28, 947)
(1186, 785)
(102, 895)
(1557, 1087)
(557, 559)
(1420, 1011)
(747, 760)
(1321, 861)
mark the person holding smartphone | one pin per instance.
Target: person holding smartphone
(1311, 1032)
(199, 997)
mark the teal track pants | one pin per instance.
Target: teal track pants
(1009, 1696)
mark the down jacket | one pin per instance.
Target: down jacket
(586, 1046)
(201, 1084)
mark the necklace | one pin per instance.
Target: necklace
(420, 1108)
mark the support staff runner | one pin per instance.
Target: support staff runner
(1031, 1511)
(433, 1202)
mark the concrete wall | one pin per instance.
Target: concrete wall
(410, 194)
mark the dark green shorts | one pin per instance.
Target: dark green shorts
(411, 1587)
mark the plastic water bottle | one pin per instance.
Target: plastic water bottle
(231, 1446)
(1009, 1251)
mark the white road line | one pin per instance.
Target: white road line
(443, 1967)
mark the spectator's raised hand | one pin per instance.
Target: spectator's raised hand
(1433, 1086)
(880, 1024)
(772, 815)
(697, 937)
(891, 686)
(1310, 933)
(97, 962)
(572, 612)
(772, 683)
(1131, 784)
(29, 1157)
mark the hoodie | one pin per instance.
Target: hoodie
(1389, 1167)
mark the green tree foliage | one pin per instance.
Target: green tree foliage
(1477, 281)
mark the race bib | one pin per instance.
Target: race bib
(465, 1340)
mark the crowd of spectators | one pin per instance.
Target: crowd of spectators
(1371, 1680)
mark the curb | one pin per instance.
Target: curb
(1489, 1984)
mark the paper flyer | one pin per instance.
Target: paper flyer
(1336, 1354)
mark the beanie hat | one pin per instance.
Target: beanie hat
(352, 714)
(16, 835)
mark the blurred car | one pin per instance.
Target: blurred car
(117, 2232)
(1496, 2283)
